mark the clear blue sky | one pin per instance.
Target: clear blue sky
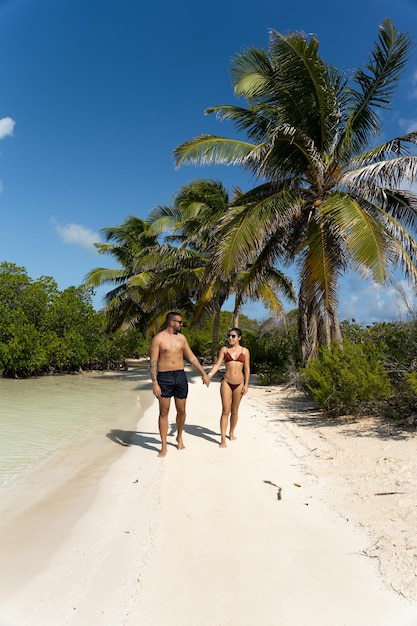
(96, 94)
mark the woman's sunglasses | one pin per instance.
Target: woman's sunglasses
(233, 336)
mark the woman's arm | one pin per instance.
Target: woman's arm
(217, 364)
(246, 371)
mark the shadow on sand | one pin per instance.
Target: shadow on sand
(300, 410)
(152, 441)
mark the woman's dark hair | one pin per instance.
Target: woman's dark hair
(237, 331)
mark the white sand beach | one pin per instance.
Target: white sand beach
(201, 538)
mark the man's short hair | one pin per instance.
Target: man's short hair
(170, 316)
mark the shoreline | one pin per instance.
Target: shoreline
(208, 522)
(40, 508)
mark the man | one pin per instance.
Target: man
(168, 350)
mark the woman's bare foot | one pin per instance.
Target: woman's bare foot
(163, 451)
(180, 443)
(232, 437)
(223, 444)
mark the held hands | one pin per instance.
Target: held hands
(206, 379)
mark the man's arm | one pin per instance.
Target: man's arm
(153, 366)
(192, 359)
(154, 370)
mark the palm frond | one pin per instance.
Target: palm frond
(376, 86)
(397, 147)
(389, 172)
(256, 122)
(264, 216)
(209, 149)
(101, 276)
(251, 71)
(307, 87)
(269, 297)
(321, 264)
(362, 234)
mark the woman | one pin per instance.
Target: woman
(234, 383)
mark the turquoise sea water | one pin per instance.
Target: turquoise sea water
(42, 417)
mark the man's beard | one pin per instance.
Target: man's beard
(177, 331)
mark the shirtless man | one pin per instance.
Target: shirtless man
(168, 350)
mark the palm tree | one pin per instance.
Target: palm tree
(129, 244)
(193, 224)
(261, 284)
(328, 198)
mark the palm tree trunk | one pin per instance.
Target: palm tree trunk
(332, 326)
(309, 329)
(236, 310)
(215, 334)
(336, 330)
(302, 330)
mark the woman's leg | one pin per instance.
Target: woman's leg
(236, 398)
(226, 396)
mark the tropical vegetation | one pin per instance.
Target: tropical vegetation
(169, 259)
(329, 197)
(44, 330)
(192, 225)
(124, 303)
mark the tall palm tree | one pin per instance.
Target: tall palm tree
(193, 224)
(328, 198)
(188, 224)
(129, 244)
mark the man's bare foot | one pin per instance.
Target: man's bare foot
(180, 443)
(163, 452)
(232, 437)
(223, 444)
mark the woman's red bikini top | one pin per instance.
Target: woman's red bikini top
(228, 357)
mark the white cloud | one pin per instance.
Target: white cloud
(367, 302)
(408, 125)
(77, 235)
(360, 300)
(6, 127)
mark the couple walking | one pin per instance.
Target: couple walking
(168, 350)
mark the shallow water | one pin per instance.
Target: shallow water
(40, 418)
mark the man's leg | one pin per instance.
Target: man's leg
(180, 406)
(163, 423)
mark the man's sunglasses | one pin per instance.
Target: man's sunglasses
(178, 322)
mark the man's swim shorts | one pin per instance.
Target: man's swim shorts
(173, 383)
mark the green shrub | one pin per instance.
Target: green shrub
(411, 381)
(269, 374)
(398, 341)
(274, 353)
(343, 379)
